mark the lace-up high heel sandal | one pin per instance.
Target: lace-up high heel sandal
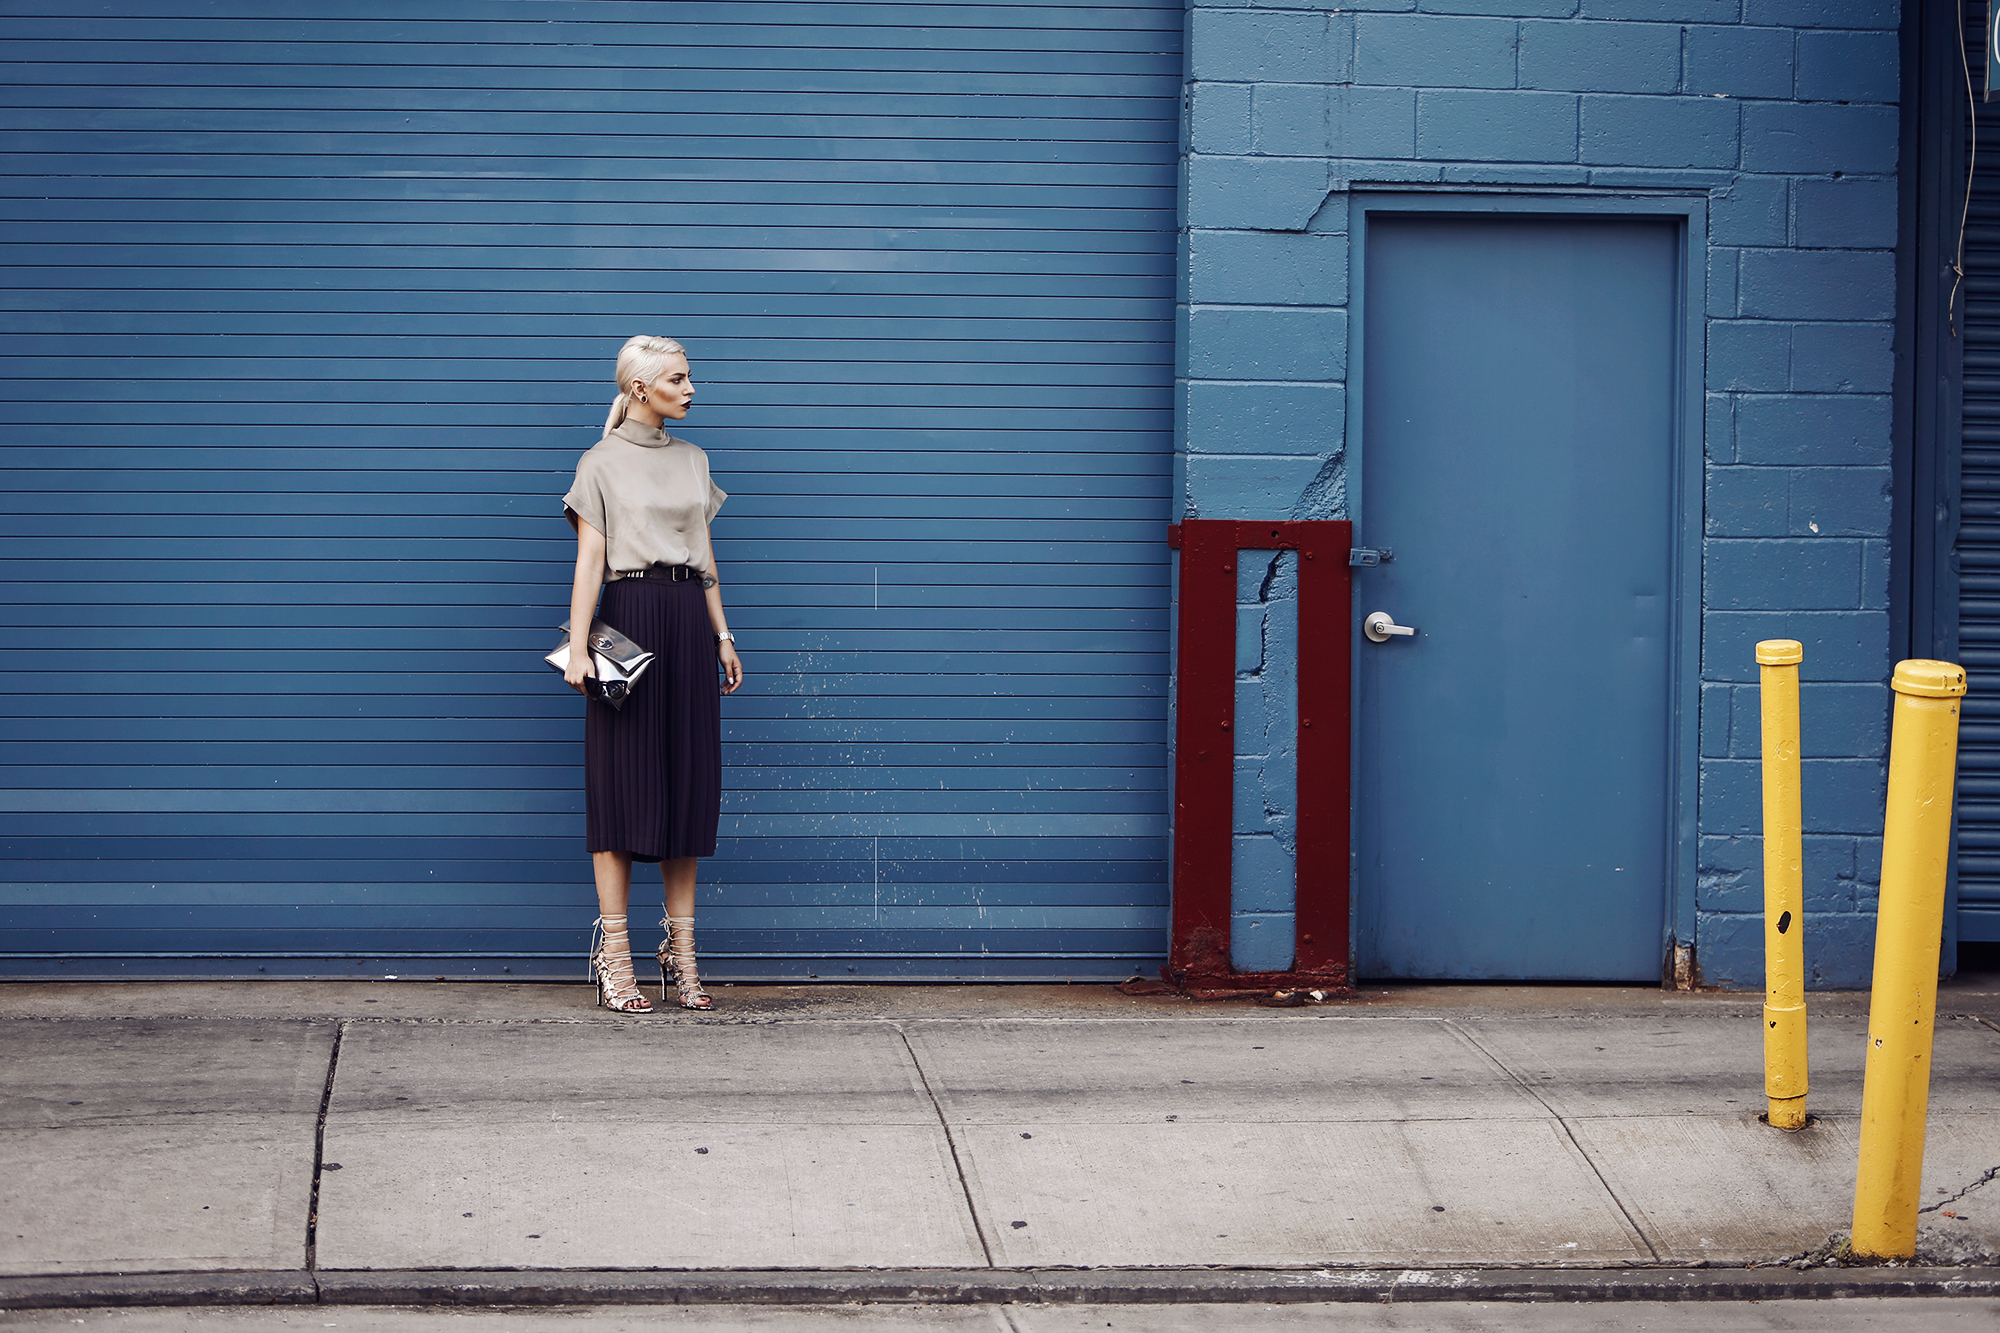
(677, 963)
(611, 966)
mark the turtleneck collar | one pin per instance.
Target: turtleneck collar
(652, 437)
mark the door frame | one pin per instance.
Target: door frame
(1690, 210)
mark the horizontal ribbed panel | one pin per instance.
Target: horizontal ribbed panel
(1978, 553)
(303, 330)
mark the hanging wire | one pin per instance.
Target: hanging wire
(1971, 161)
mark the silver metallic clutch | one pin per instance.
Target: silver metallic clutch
(619, 662)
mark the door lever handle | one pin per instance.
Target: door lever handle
(1379, 627)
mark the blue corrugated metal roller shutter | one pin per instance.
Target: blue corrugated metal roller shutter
(1978, 548)
(306, 322)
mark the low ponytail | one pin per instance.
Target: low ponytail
(617, 415)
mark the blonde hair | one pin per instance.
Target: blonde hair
(641, 358)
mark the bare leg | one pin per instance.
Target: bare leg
(677, 950)
(677, 878)
(614, 881)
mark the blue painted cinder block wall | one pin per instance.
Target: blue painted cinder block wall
(1784, 112)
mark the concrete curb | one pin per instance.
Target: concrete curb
(1140, 1286)
(87, 1290)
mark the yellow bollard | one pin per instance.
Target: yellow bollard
(1784, 887)
(1916, 845)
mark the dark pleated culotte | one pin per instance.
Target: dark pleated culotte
(652, 771)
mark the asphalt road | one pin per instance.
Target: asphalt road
(1891, 1315)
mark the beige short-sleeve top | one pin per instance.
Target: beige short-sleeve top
(650, 494)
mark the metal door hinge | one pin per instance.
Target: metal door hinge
(1362, 555)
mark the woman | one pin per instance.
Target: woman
(641, 507)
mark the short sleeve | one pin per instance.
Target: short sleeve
(586, 498)
(716, 495)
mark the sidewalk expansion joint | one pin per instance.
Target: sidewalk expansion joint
(1569, 1132)
(319, 1147)
(950, 1143)
(984, 1286)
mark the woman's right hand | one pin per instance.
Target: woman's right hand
(580, 669)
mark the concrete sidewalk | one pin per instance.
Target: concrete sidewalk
(971, 1134)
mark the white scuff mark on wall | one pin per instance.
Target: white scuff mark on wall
(1325, 496)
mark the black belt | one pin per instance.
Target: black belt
(673, 573)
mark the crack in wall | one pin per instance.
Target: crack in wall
(1264, 598)
(1278, 723)
(1263, 872)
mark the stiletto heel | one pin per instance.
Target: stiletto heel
(677, 967)
(611, 967)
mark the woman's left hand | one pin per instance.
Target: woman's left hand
(732, 666)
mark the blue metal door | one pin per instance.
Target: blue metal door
(1514, 799)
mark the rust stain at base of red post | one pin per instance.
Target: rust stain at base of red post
(1205, 755)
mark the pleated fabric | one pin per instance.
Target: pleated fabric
(653, 769)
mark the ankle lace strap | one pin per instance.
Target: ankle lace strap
(609, 929)
(606, 934)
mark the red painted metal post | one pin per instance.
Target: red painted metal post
(1205, 749)
(1326, 671)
